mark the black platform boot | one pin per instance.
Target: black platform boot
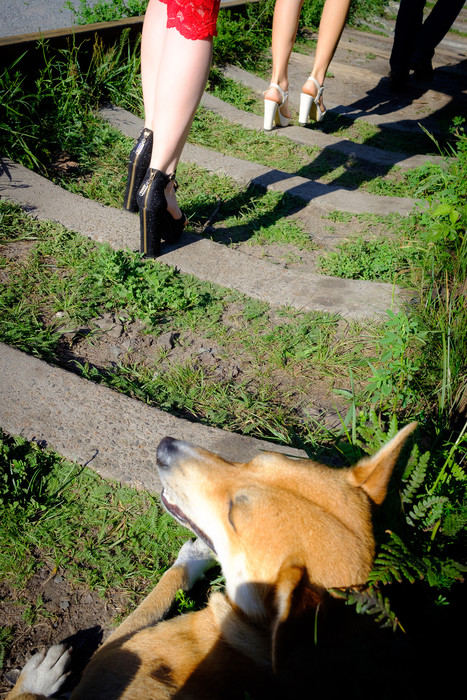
(156, 222)
(138, 164)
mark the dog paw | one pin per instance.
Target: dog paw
(197, 558)
(45, 673)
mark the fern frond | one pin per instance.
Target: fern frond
(411, 463)
(441, 573)
(427, 511)
(370, 601)
(417, 475)
(370, 434)
(394, 562)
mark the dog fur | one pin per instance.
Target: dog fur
(285, 532)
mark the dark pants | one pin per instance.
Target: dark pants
(423, 36)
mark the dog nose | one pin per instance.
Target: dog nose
(170, 450)
(166, 452)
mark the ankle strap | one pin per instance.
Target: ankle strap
(319, 87)
(283, 94)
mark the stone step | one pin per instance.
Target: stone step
(209, 261)
(313, 137)
(92, 425)
(326, 197)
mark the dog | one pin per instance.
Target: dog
(286, 532)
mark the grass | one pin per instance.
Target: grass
(64, 282)
(104, 535)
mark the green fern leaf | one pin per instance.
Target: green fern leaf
(417, 477)
(427, 511)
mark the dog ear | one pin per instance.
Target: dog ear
(295, 598)
(372, 474)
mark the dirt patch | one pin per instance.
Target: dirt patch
(52, 609)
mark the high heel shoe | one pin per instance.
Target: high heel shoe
(156, 222)
(138, 164)
(272, 111)
(309, 105)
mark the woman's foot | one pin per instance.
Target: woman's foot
(276, 107)
(273, 94)
(172, 204)
(311, 88)
(311, 101)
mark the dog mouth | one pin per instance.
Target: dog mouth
(180, 517)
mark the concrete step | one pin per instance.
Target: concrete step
(326, 197)
(209, 261)
(92, 425)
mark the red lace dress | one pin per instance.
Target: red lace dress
(194, 19)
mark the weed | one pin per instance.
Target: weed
(399, 363)
(6, 637)
(103, 11)
(105, 535)
(379, 259)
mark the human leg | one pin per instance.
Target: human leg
(408, 25)
(152, 46)
(284, 32)
(433, 30)
(331, 27)
(182, 69)
(176, 55)
(181, 79)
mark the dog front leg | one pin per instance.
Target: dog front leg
(193, 560)
(43, 675)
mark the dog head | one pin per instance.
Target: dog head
(276, 522)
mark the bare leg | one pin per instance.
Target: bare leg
(284, 31)
(182, 77)
(152, 46)
(330, 29)
(174, 72)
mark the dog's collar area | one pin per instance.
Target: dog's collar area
(180, 517)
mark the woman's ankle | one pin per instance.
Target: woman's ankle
(272, 93)
(310, 88)
(172, 204)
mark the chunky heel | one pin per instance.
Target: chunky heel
(138, 164)
(305, 106)
(156, 222)
(272, 111)
(309, 105)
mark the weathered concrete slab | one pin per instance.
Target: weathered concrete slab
(311, 137)
(327, 197)
(92, 425)
(209, 261)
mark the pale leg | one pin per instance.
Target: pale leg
(330, 29)
(152, 47)
(284, 31)
(182, 77)
(174, 73)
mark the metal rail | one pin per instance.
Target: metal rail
(11, 47)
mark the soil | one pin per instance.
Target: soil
(50, 610)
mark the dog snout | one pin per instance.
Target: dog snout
(170, 451)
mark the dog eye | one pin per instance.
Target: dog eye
(231, 521)
(239, 500)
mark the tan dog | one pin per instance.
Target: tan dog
(284, 530)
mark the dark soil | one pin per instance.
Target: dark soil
(52, 609)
